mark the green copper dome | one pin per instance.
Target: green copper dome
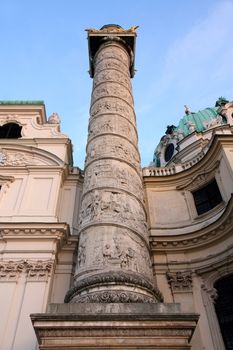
(199, 119)
(189, 123)
(111, 25)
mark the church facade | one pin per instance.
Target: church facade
(149, 251)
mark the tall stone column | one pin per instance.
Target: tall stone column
(113, 262)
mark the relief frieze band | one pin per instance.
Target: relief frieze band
(113, 147)
(115, 124)
(112, 76)
(111, 174)
(111, 64)
(118, 249)
(113, 260)
(112, 89)
(112, 51)
(112, 206)
(107, 105)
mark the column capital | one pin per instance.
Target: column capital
(112, 32)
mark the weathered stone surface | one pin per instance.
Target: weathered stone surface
(113, 261)
(114, 326)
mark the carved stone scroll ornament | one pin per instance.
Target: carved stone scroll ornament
(180, 281)
(113, 297)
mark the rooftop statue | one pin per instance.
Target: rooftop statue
(187, 110)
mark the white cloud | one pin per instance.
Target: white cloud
(204, 52)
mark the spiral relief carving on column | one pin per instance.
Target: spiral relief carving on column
(113, 263)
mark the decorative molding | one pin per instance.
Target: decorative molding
(211, 233)
(180, 281)
(16, 230)
(34, 270)
(199, 179)
(59, 233)
(108, 296)
(113, 277)
(172, 169)
(4, 179)
(115, 332)
(209, 295)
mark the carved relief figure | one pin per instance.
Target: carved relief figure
(113, 206)
(113, 53)
(111, 147)
(82, 252)
(114, 89)
(111, 75)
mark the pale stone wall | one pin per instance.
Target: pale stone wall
(191, 252)
(38, 195)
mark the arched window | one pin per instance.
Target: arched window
(224, 119)
(207, 197)
(224, 309)
(169, 152)
(10, 131)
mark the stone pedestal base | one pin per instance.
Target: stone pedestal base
(114, 327)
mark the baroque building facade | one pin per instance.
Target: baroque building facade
(138, 255)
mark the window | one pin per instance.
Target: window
(224, 309)
(10, 131)
(207, 197)
(169, 152)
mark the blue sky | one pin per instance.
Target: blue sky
(184, 55)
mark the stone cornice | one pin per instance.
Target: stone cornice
(200, 238)
(56, 233)
(22, 230)
(22, 109)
